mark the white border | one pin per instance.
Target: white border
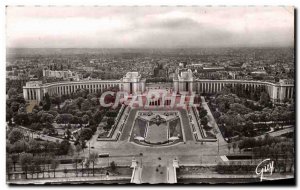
(113, 3)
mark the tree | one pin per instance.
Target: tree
(54, 165)
(107, 127)
(113, 166)
(112, 114)
(264, 98)
(12, 92)
(14, 159)
(85, 119)
(75, 164)
(15, 135)
(70, 107)
(25, 161)
(19, 146)
(229, 147)
(239, 108)
(216, 115)
(46, 117)
(14, 107)
(93, 158)
(38, 161)
(76, 120)
(204, 121)
(202, 112)
(240, 147)
(80, 100)
(98, 116)
(86, 105)
(34, 146)
(8, 168)
(56, 100)
(64, 118)
(32, 168)
(35, 126)
(110, 121)
(95, 101)
(83, 144)
(90, 96)
(82, 164)
(64, 147)
(9, 116)
(21, 119)
(34, 117)
(87, 164)
(86, 134)
(78, 148)
(234, 145)
(68, 134)
(47, 102)
(65, 172)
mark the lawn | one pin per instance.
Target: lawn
(139, 128)
(175, 128)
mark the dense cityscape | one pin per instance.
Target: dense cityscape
(266, 64)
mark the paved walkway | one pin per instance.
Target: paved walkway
(154, 174)
(186, 125)
(212, 122)
(128, 125)
(196, 124)
(159, 171)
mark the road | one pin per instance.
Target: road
(102, 179)
(43, 137)
(278, 133)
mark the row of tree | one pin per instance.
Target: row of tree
(35, 165)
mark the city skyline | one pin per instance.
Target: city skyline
(149, 27)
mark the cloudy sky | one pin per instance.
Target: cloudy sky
(149, 27)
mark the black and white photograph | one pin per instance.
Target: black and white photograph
(169, 95)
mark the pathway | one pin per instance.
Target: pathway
(212, 122)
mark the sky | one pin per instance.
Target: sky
(149, 27)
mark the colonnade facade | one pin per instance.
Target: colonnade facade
(184, 81)
(67, 88)
(278, 92)
(35, 90)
